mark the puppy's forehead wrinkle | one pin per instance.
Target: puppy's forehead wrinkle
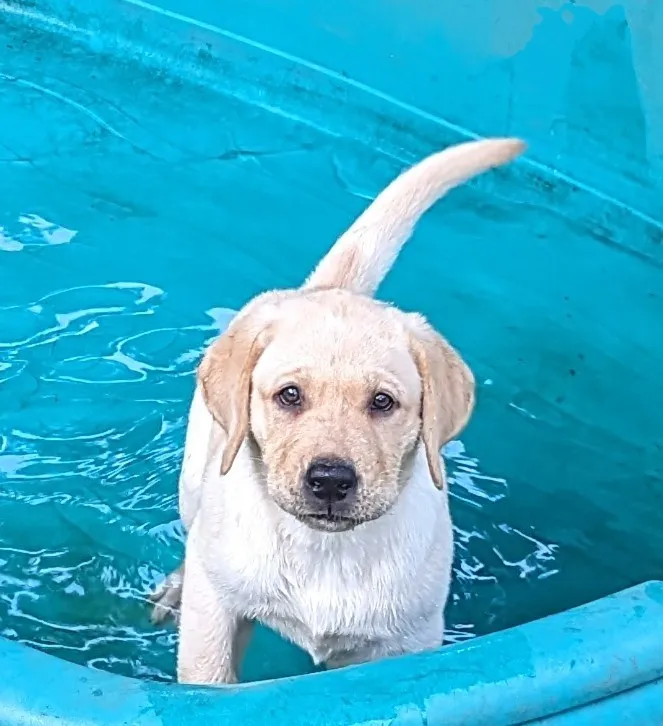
(336, 378)
(333, 344)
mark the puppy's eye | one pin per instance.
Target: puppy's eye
(382, 403)
(289, 397)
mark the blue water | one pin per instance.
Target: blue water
(140, 209)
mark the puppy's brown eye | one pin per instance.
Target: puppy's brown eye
(289, 397)
(382, 403)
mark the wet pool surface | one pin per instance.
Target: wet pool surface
(141, 209)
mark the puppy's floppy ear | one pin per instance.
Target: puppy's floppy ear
(225, 373)
(447, 396)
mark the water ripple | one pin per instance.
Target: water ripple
(33, 231)
(89, 456)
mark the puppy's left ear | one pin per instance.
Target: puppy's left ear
(447, 398)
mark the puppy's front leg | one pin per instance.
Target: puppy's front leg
(211, 637)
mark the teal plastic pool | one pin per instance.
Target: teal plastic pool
(161, 165)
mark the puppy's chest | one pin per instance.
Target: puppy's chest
(325, 608)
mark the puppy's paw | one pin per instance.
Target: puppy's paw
(168, 597)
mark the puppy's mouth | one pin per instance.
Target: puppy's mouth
(329, 521)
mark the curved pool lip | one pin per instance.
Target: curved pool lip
(598, 663)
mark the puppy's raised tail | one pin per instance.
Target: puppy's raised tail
(362, 257)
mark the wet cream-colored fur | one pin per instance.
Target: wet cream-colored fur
(368, 578)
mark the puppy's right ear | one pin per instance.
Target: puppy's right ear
(225, 373)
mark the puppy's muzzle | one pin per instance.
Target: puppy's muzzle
(330, 484)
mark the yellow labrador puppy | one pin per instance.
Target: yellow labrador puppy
(312, 489)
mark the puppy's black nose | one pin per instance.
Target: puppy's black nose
(331, 480)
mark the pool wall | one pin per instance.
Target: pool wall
(575, 79)
(578, 80)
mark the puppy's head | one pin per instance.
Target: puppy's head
(334, 391)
